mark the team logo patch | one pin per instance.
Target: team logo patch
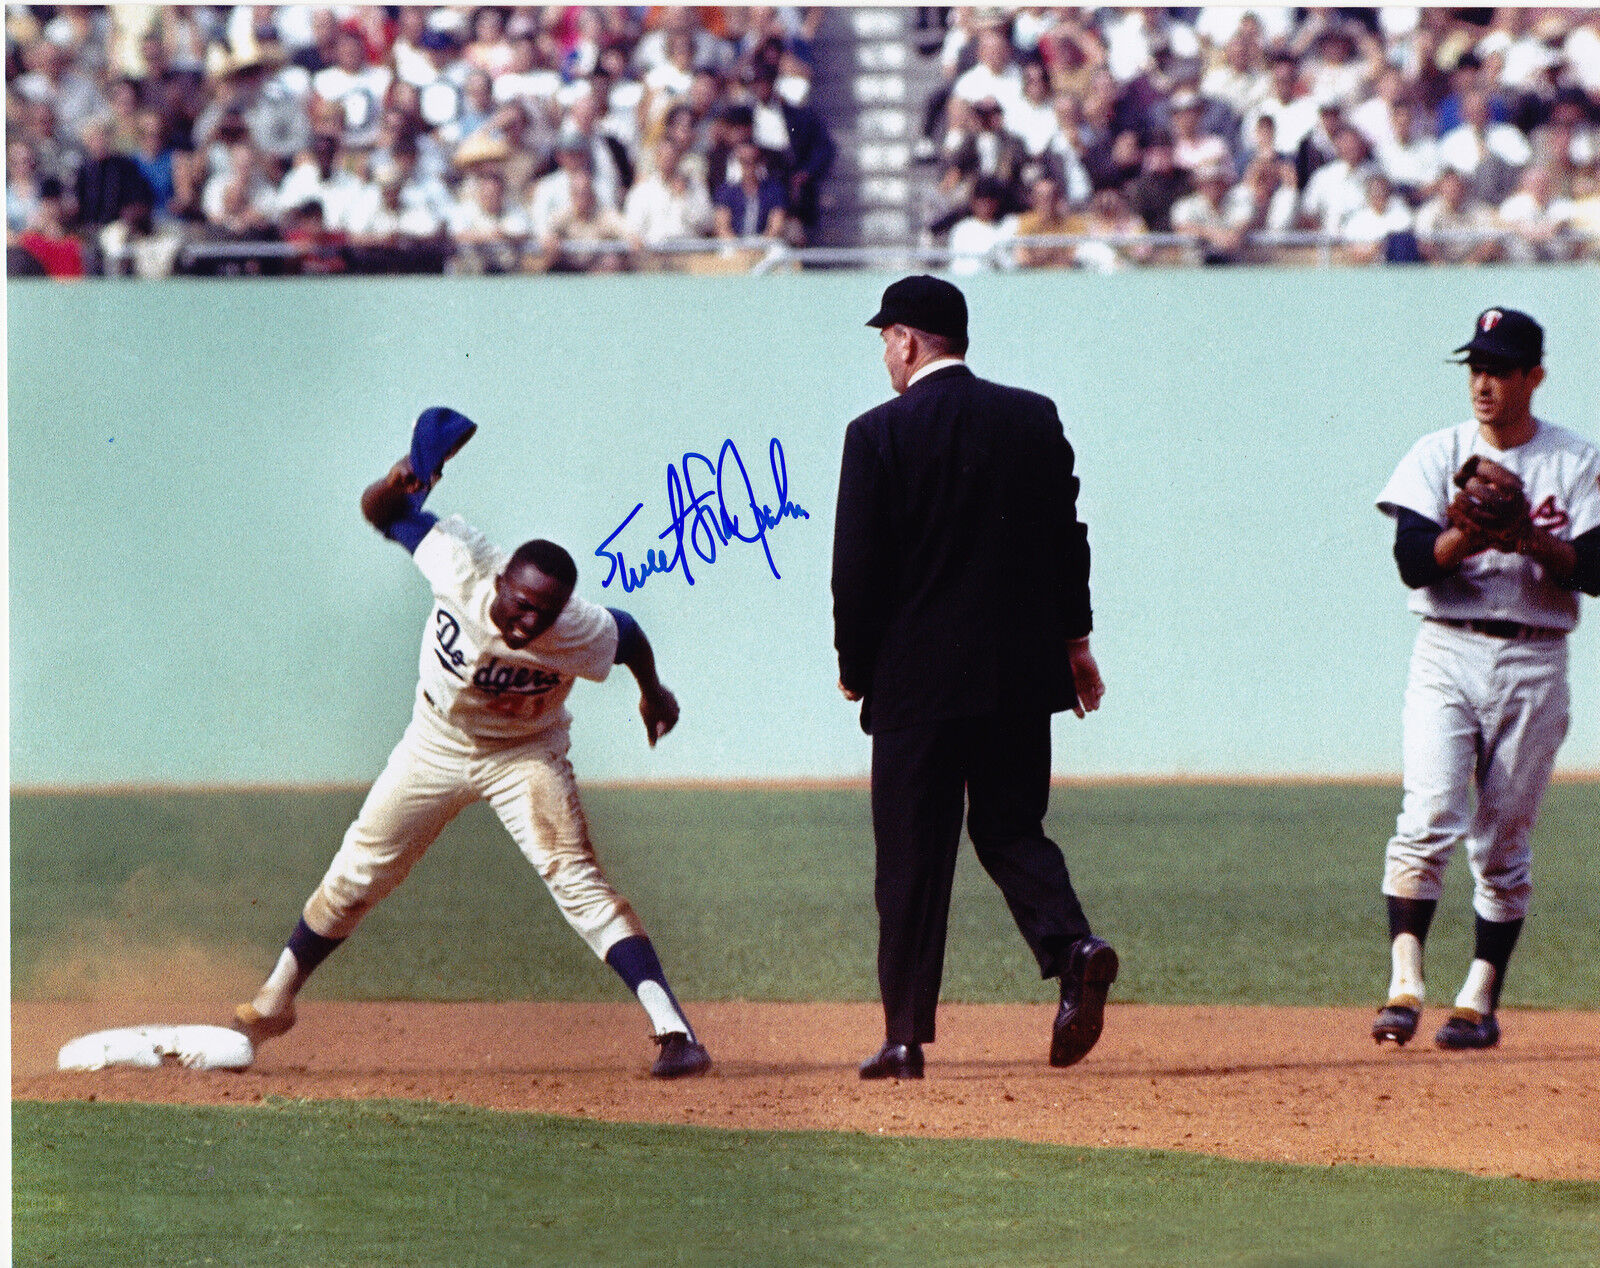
(1490, 319)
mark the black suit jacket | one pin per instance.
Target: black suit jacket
(960, 569)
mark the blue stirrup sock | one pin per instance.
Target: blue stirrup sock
(636, 963)
(305, 950)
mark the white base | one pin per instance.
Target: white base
(146, 1047)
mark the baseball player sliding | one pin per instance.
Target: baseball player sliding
(505, 641)
(1497, 527)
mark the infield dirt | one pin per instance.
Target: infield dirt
(1300, 1085)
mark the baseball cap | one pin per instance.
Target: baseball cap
(1504, 334)
(923, 303)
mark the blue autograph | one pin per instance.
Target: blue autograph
(701, 518)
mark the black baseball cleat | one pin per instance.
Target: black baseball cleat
(894, 1061)
(1468, 1028)
(1091, 968)
(1396, 1021)
(680, 1057)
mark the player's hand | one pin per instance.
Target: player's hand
(847, 693)
(659, 709)
(1085, 677)
(403, 477)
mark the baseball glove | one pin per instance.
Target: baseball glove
(1491, 505)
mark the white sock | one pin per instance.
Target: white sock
(278, 991)
(664, 1014)
(1406, 956)
(1475, 990)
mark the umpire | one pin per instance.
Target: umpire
(961, 618)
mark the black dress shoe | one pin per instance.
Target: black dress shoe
(894, 1061)
(1091, 968)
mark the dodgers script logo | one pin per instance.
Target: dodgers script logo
(446, 634)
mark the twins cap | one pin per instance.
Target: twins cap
(923, 303)
(1505, 335)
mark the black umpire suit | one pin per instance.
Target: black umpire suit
(960, 577)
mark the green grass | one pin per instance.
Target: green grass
(1246, 894)
(393, 1182)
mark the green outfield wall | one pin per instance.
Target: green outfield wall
(194, 597)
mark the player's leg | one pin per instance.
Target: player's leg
(1518, 757)
(918, 792)
(534, 792)
(1008, 792)
(1439, 751)
(421, 788)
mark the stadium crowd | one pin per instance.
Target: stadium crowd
(147, 138)
(1396, 134)
(402, 138)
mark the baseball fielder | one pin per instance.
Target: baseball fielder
(503, 645)
(1497, 527)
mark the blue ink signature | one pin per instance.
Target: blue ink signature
(701, 519)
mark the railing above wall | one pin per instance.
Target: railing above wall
(764, 255)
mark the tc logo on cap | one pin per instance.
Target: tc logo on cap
(1489, 320)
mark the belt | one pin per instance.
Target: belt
(1502, 629)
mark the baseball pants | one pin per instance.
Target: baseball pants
(434, 773)
(1485, 714)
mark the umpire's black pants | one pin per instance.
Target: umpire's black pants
(919, 774)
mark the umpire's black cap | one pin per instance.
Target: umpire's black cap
(1507, 336)
(924, 303)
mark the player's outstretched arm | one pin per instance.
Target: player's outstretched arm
(657, 706)
(390, 499)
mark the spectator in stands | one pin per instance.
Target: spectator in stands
(1265, 201)
(1367, 233)
(489, 51)
(1159, 185)
(1374, 118)
(239, 201)
(996, 76)
(1033, 119)
(356, 86)
(609, 164)
(46, 238)
(1046, 215)
(52, 80)
(668, 203)
(1336, 189)
(552, 193)
(565, 246)
(1239, 79)
(977, 240)
(1453, 211)
(1411, 161)
(1286, 103)
(476, 108)
(1071, 49)
(318, 176)
(322, 249)
(1566, 142)
(388, 236)
(1344, 61)
(134, 245)
(1193, 149)
(1318, 147)
(124, 114)
(488, 231)
(22, 185)
(106, 181)
(984, 149)
(1490, 155)
(1064, 153)
(1218, 231)
(154, 156)
(1540, 218)
(799, 140)
(1110, 216)
(754, 204)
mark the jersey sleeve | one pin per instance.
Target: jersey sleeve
(583, 641)
(1583, 503)
(452, 555)
(1421, 483)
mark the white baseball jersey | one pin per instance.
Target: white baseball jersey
(468, 675)
(1560, 472)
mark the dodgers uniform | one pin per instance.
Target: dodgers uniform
(489, 723)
